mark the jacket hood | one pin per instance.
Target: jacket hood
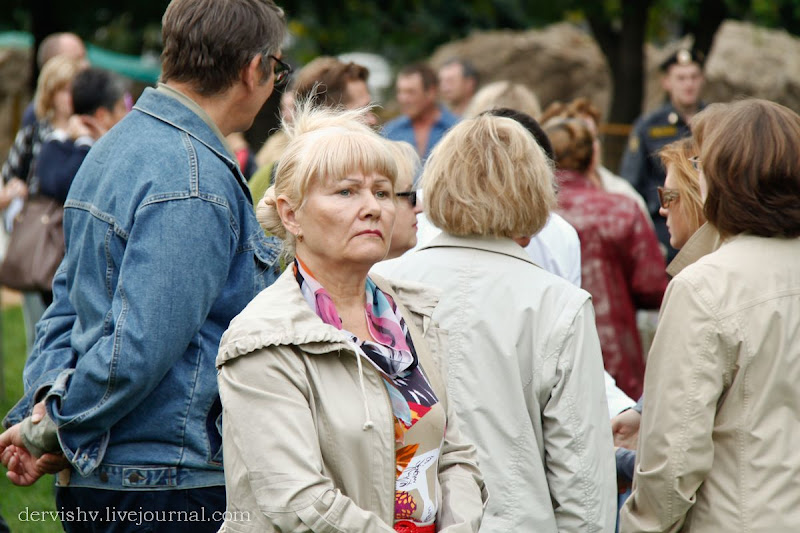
(280, 315)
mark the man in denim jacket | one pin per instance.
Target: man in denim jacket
(163, 250)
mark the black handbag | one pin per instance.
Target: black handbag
(36, 246)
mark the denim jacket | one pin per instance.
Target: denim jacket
(163, 250)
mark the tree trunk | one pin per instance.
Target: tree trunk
(43, 23)
(709, 19)
(624, 50)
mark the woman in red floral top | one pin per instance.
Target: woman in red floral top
(621, 263)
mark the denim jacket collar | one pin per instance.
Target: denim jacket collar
(173, 112)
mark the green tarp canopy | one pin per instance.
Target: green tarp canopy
(140, 68)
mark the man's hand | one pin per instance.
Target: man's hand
(20, 463)
(23, 468)
(15, 188)
(625, 427)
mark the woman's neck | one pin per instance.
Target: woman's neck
(347, 288)
(345, 285)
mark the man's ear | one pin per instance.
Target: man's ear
(252, 72)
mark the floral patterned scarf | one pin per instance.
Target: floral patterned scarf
(393, 354)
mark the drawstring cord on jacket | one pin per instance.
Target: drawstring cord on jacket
(368, 424)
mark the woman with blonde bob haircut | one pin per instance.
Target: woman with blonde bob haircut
(524, 365)
(509, 200)
(718, 436)
(335, 416)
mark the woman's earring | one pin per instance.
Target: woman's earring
(299, 236)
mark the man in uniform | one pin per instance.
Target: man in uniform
(683, 81)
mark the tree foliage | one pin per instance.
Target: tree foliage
(409, 30)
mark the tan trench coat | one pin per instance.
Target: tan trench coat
(298, 452)
(720, 434)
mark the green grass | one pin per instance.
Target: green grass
(38, 497)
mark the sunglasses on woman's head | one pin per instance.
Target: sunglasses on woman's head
(410, 195)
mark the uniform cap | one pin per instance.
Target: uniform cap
(683, 56)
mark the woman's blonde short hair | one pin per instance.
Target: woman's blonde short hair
(488, 177)
(56, 74)
(687, 180)
(408, 162)
(324, 143)
(504, 94)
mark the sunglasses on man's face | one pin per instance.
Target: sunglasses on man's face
(281, 70)
(411, 196)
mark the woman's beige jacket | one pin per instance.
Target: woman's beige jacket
(719, 443)
(308, 445)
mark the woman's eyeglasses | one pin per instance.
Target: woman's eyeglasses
(410, 195)
(281, 70)
(667, 196)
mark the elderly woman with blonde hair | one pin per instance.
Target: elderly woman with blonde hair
(335, 415)
(524, 366)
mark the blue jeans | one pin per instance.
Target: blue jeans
(33, 307)
(620, 502)
(87, 510)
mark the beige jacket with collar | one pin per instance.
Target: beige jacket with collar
(718, 442)
(307, 445)
(525, 374)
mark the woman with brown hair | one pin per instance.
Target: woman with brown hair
(602, 177)
(621, 263)
(719, 431)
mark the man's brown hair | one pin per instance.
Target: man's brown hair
(325, 80)
(428, 75)
(208, 42)
(750, 157)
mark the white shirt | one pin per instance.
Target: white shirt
(557, 249)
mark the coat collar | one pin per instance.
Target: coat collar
(704, 241)
(280, 315)
(497, 245)
(166, 108)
